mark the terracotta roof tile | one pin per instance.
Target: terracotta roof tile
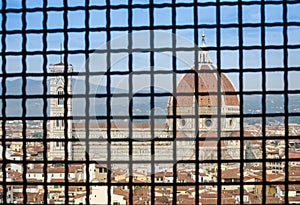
(207, 85)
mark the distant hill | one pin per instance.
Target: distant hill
(120, 105)
(34, 107)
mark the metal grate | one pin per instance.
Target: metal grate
(247, 40)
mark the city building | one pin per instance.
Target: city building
(215, 104)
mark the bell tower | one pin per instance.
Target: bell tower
(57, 110)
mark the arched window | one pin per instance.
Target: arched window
(60, 93)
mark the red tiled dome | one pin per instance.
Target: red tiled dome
(207, 88)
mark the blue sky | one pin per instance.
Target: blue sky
(229, 36)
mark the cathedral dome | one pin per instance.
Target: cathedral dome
(208, 79)
(207, 87)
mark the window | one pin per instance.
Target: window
(60, 93)
(208, 123)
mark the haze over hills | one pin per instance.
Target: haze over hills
(120, 105)
(34, 106)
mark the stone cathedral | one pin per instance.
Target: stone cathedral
(200, 115)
